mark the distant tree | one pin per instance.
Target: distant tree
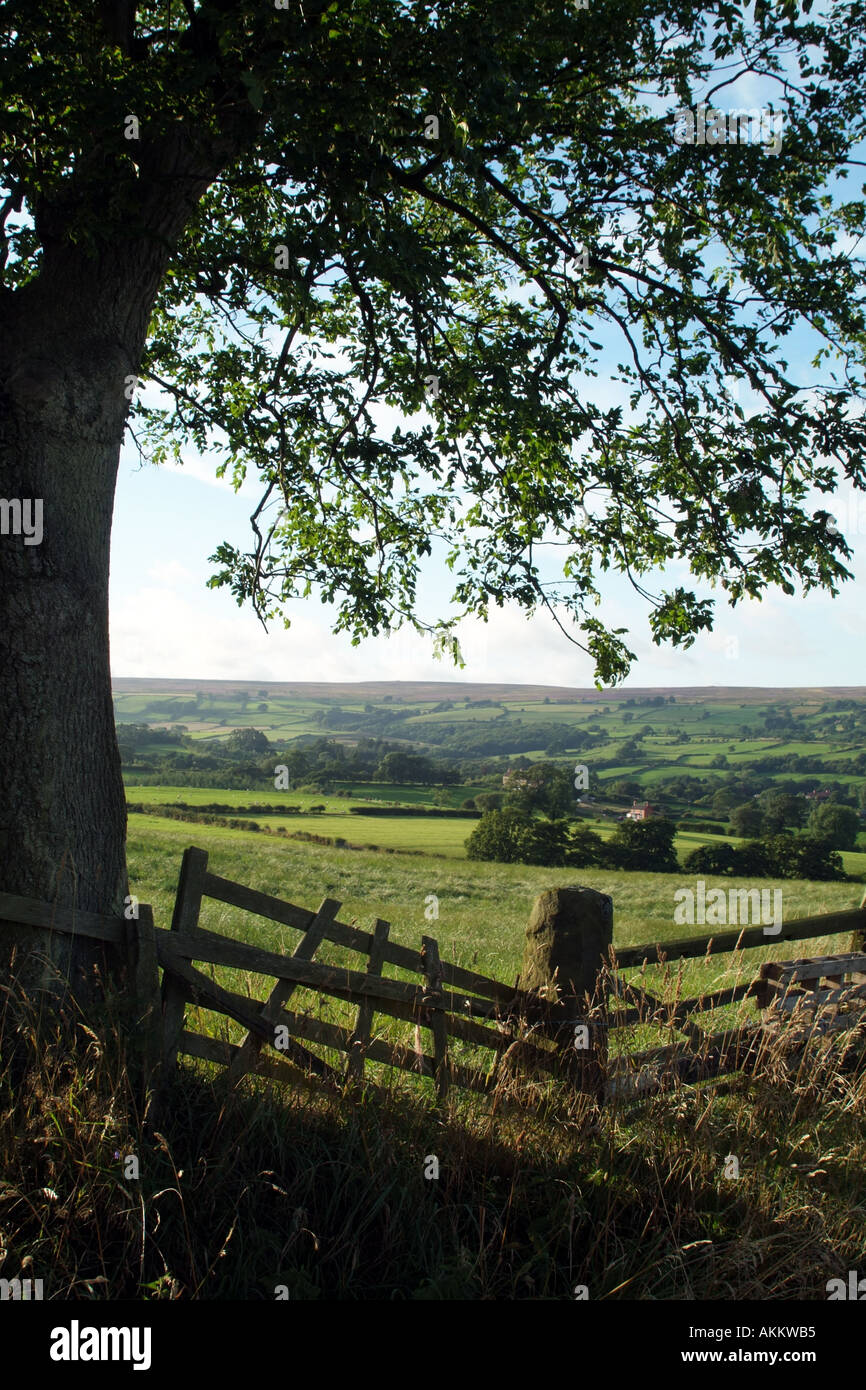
(489, 801)
(711, 859)
(781, 810)
(405, 769)
(247, 741)
(747, 820)
(625, 787)
(644, 845)
(262, 708)
(556, 748)
(837, 825)
(585, 848)
(543, 787)
(498, 836)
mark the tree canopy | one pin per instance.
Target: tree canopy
(399, 239)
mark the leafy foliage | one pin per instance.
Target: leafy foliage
(326, 264)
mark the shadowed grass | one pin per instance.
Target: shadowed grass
(268, 1190)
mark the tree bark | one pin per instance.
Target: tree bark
(73, 337)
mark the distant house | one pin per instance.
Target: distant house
(641, 811)
(823, 794)
(516, 777)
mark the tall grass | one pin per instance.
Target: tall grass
(246, 1191)
(269, 1188)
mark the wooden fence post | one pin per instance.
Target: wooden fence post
(568, 940)
(437, 1024)
(145, 990)
(187, 906)
(858, 938)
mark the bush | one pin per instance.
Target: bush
(752, 860)
(789, 856)
(819, 860)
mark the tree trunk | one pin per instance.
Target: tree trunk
(62, 816)
(73, 339)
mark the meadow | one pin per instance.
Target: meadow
(439, 836)
(250, 1190)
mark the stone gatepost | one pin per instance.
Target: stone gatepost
(567, 943)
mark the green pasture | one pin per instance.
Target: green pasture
(436, 835)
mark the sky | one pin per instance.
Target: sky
(165, 622)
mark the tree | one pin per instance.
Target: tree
(644, 845)
(711, 859)
(247, 741)
(406, 768)
(205, 197)
(585, 848)
(747, 820)
(753, 860)
(543, 787)
(818, 861)
(626, 787)
(512, 836)
(789, 856)
(544, 842)
(489, 801)
(499, 835)
(781, 809)
(837, 825)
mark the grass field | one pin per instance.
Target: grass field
(434, 836)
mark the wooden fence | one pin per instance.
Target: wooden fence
(698, 1054)
(449, 1002)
